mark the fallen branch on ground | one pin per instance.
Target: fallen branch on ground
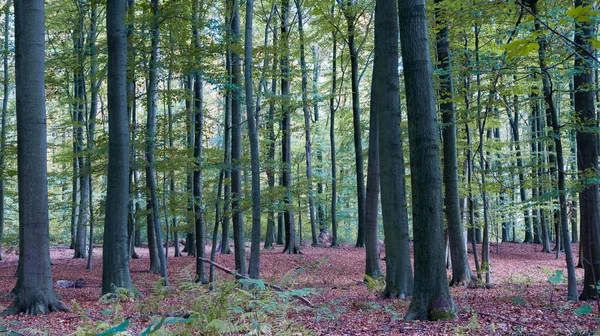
(239, 276)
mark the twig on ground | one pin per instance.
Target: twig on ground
(239, 276)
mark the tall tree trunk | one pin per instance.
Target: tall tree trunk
(332, 110)
(254, 265)
(151, 192)
(291, 244)
(6, 93)
(225, 249)
(461, 271)
(587, 157)
(349, 14)
(91, 120)
(431, 299)
(115, 258)
(372, 264)
(236, 144)
(315, 100)
(556, 135)
(35, 295)
(307, 124)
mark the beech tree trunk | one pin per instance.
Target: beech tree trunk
(461, 271)
(431, 298)
(34, 290)
(332, 110)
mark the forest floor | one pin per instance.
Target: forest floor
(522, 301)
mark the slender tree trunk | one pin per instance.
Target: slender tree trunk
(254, 265)
(461, 271)
(152, 94)
(91, 121)
(236, 144)
(5, 91)
(225, 249)
(332, 110)
(431, 299)
(291, 244)
(358, 151)
(307, 124)
(315, 100)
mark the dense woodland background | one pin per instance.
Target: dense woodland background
(258, 124)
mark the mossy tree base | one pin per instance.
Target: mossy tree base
(436, 309)
(38, 306)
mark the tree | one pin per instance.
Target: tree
(34, 290)
(350, 13)
(291, 243)
(431, 298)
(5, 91)
(115, 256)
(587, 157)
(236, 143)
(461, 271)
(153, 215)
(385, 102)
(332, 110)
(254, 267)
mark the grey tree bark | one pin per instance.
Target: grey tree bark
(332, 110)
(115, 256)
(431, 298)
(34, 290)
(152, 97)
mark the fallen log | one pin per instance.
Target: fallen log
(239, 276)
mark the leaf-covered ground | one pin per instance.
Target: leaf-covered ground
(523, 301)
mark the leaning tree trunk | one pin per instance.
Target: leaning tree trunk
(35, 295)
(461, 271)
(431, 298)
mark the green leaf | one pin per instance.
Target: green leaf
(583, 310)
(116, 329)
(557, 278)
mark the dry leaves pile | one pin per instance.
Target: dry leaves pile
(523, 301)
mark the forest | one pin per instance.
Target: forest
(292, 167)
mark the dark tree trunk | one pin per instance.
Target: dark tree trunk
(225, 249)
(291, 244)
(587, 158)
(271, 229)
(115, 258)
(315, 98)
(385, 100)
(372, 264)
(461, 271)
(254, 265)
(431, 299)
(236, 144)
(34, 292)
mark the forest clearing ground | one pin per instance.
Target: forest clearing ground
(523, 301)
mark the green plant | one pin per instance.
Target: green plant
(375, 286)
